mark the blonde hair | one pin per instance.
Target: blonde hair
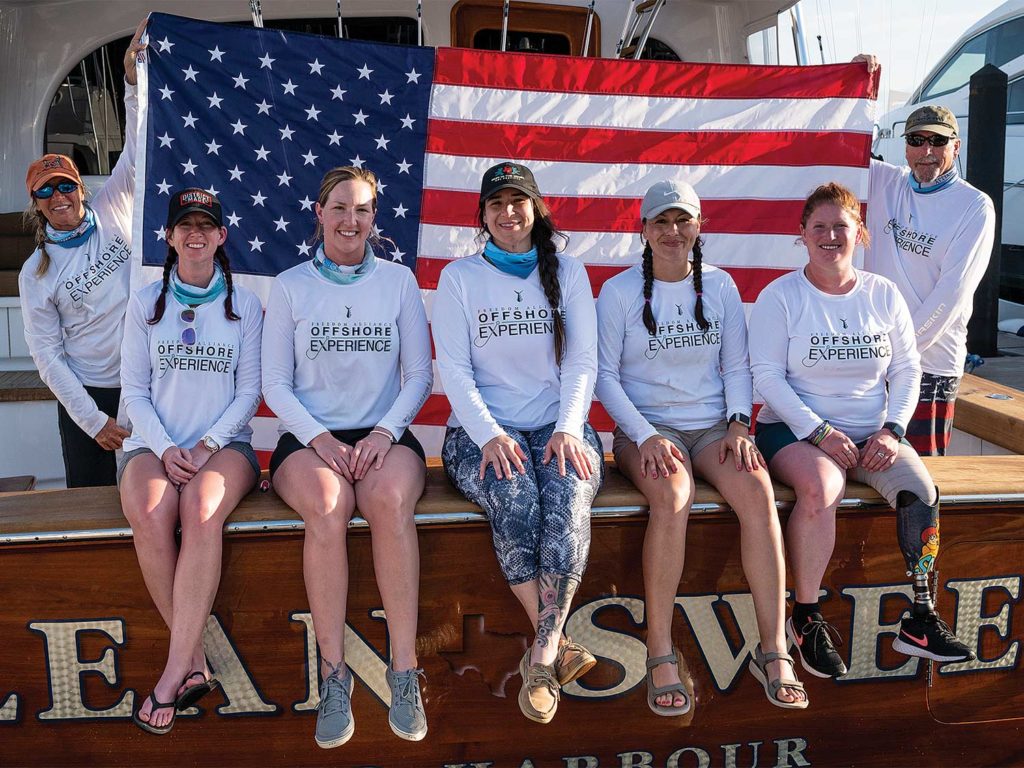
(32, 218)
(336, 176)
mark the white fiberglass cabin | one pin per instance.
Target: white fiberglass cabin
(61, 69)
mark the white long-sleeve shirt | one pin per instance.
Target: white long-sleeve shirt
(175, 394)
(936, 248)
(345, 356)
(494, 336)
(683, 377)
(74, 313)
(816, 356)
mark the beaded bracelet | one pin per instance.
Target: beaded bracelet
(818, 435)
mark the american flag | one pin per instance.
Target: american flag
(257, 116)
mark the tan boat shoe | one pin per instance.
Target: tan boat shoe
(538, 698)
(573, 662)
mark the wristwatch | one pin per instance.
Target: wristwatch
(895, 428)
(211, 445)
(742, 418)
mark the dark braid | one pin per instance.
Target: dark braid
(161, 300)
(648, 267)
(547, 268)
(222, 259)
(698, 310)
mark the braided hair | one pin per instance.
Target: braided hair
(221, 257)
(648, 271)
(542, 237)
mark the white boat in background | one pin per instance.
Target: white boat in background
(997, 39)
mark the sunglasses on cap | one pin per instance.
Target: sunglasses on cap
(46, 192)
(915, 140)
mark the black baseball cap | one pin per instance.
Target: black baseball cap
(193, 200)
(508, 175)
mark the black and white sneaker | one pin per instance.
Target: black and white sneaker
(814, 641)
(929, 637)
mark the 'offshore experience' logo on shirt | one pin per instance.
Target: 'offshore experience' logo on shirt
(349, 337)
(836, 347)
(910, 240)
(175, 355)
(684, 334)
(113, 256)
(533, 320)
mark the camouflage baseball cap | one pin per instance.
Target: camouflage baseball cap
(932, 118)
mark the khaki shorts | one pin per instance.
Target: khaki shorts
(689, 441)
(236, 445)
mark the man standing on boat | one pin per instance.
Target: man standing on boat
(932, 235)
(74, 291)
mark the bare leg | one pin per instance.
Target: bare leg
(150, 503)
(751, 496)
(811, 533)
(325, 501)
(387, 499)
(205, 503)
(669, 500)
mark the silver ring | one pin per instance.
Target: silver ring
(880, 453)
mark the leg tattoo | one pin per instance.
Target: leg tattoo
(556, 593)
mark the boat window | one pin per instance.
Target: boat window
(1015, 102)
(381, 29)
(86, 117)
(655, 50)
(997, 45)
(533, 28)
(522, 42)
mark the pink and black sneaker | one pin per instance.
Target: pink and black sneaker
(929, 637)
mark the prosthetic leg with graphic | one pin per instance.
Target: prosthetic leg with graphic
(923, 633)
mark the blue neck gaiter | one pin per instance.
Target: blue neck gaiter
(75, 237)
(342, 274)
(192, 295)
(518, 264)
(940, 183)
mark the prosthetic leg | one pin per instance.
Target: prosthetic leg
(923, 633)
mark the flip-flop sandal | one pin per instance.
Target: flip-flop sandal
(155, 729)
(654, 691)
(194, 693)
(758, 667)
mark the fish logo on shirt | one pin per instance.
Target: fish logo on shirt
(845, 326)
(348, 312)
(679, 309)
(519, 296)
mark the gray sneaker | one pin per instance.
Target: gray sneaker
(334, 722)
(406, 716)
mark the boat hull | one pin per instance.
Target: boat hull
(83, 645)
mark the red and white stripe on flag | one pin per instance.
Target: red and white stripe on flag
(753, 141)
